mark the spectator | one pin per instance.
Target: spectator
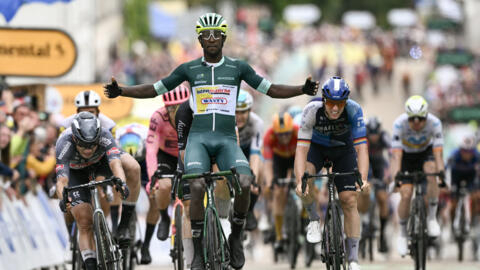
(5, 170)
(41, 159)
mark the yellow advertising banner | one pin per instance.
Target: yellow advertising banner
(36, 52)
(116, 108)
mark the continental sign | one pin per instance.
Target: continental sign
(36, 52)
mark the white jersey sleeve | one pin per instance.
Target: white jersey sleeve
(257, 140)
(308, 121)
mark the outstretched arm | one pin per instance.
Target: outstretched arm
(113, 90)
(285, 91)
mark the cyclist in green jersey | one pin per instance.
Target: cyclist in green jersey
(215, 82)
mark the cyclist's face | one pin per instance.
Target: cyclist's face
(466, 155)
(417, 123)
(211, 41)
(242, 118)
(86, 152)
(284, 137)
(93, 110)
(373, 137)
(334, 108)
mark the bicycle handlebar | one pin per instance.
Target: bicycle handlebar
(306, 176)
(115, 181)
(217, 176)
(418, 175)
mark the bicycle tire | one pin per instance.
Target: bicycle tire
(461, 238)
(293, 229)
(340, 262)
(211, 244)
(420, 245)
(77, 260)
(178, 244)
(105, 258)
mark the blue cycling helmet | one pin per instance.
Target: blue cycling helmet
(335, 88)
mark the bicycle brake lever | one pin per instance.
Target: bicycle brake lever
(304, 182)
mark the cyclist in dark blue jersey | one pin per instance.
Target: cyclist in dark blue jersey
(333, 129)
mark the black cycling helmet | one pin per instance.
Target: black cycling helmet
(86, 129)
(373, 125)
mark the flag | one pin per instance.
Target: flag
(9, 7)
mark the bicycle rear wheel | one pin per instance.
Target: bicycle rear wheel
(107, 259)
(177, 241)
(212, 244)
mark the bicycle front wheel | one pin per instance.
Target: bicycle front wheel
(421, 241)
(292, 223)
(107, 259)
(212, 247)
(339, 247)
(177, 241)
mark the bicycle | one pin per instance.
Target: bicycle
(176, 251)
(109, 256)
(215, 244)
(333, 244)
(368, 231)
(294, 225)
(77, 261)
(460, 223)
(130, 252)
(417, 220)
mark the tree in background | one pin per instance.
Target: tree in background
(137, 20)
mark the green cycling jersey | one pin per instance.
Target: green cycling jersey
(214, 89)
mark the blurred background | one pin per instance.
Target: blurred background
(387, 50)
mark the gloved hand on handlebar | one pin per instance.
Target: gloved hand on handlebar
(122, 187)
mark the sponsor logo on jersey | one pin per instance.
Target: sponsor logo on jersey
(214, 101)
(199, 82)
(105, 141)
(59, 167)
(64, 150)
(85, 164)
(199, 76)
(113, 151)
(226, 78)
(194, 163)
(241, 161)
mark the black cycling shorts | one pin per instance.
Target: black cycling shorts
(281, 165)
(168, 165)
(413, 162)
(377, 172)
(344, 159)
(82, 176)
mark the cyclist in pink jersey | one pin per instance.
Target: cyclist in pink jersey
(162, 153)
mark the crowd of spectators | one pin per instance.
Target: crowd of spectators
(27, 144)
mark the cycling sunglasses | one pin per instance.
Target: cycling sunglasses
(419, 118)
(216, 34)
(331, 102)
(84, 144)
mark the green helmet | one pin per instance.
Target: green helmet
(211, 21)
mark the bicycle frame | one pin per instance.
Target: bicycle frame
(417, 224)
(97, 211)
(210, 179)
(334, 254)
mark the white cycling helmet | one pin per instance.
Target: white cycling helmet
(416, 106)
(469, 142)
(88, 98)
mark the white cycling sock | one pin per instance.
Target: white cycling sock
(88, 253)
(188, 251)
(432, 208)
